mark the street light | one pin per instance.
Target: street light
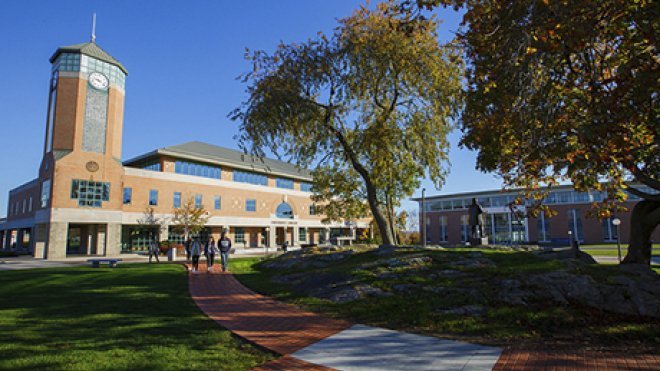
(617, 222)
(423, 226)
(267, 230)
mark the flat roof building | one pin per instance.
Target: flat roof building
(446, 218)
(86, 201)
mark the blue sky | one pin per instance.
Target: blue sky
(183, 58)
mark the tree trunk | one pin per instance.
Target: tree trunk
(645, 218)
(383, 225)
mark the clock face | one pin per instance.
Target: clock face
(98, 80)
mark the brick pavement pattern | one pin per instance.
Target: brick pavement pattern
(512, 359)
(290, 363)
(279, 327)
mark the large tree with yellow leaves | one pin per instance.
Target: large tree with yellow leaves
(369, 105)
(566, 91)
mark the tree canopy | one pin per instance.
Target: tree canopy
(565, 91)
(189, 219)
(369, 106)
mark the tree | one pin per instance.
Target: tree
(566, 91)
(149, 219)
(189, 219)
(370, 106)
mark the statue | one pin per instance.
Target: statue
(476, 221)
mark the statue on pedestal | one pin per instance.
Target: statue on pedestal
(476, 221)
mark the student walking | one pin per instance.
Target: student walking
(188, 246)
(224, 246)
(195, 251)
(154, 250)
(210, 250)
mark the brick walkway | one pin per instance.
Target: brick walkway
(285, 329)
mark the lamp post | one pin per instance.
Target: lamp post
(267, 230)
(423, 224)
(617, 222)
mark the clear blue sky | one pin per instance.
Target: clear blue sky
(183, 58)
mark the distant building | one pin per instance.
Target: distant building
(447, 218)
(86, 201)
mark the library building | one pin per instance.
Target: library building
(86, 201)
(447, 220)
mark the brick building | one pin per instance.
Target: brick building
(86, 201)
(447, 218)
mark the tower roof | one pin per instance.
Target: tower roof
(89, 49)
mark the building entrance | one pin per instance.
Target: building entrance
(86, 239)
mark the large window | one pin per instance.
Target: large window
(128, 195)
(575, 224)
(152, 165)
(153, 197)
(45, 193)
(250, 205)
(90, 193)
(239, 235)
(250, 177)
(176, 202)
(302, 234)
(543, 224)
(442, 227)
(51, 111)
(217, 202)
(284, 210)
(609, 230)
(465, 228)
(198, 201)
(197, 169)
(305, 186)
(312, 209)
(284, 183)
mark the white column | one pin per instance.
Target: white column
(272, 237)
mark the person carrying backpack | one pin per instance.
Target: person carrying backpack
(210, 250)
(195, 251)
(225, 246)
(154, 250)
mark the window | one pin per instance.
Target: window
(284, 183)
(153, 197)
(198, 201)
(250, 205)
(51, 111)
(45, 193)
(543, 227)
(465, 228)
(24, 205)
(312, 209)
(197, 169)
(90, 193)
(128, 195)
(152, 165)
(284, 210)
(305, 186)
(30, 209)
(443, 228)
(575, 224)
(239, 235)
(249, 177)
(302, 234)
(176, 202)
(217, 204)
(609, 230)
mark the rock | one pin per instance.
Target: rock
(386, 250)
(474, 263)
(466, 310)
(404, 288)
(449, 273)
(335, 256)
(511, 293)
(345, 295)
(409, 261)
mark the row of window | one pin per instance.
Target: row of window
(74, 62)
(90, 193)
(197, 169)
(508, 227)
(553, 198)
(21, 207)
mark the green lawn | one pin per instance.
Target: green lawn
(133, 317)
(539, 323)
(611, 250)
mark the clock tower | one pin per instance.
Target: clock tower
(81, 165)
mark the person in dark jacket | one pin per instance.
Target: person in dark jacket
(224, 244)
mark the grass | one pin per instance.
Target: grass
(418, 311)
(135, 316)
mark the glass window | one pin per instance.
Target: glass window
(176, 202)
(217, 202)
(582, 197)
(284, 210)
(465, 228)
(609, 230)
(239, 235)
(305, 186)
(543, 224)
(443, 228)
(499, 201)
(152, 165)
(197, 169)
(302, 234)
(284, 183)
(30, 209)
(483, 201)
(457, 204)
(564, 197)
(249, 177)
(128, 195)
(250, 205)
(575, 224)
(90, 193)
(312, 209)
(153, 197)
(198, 201)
